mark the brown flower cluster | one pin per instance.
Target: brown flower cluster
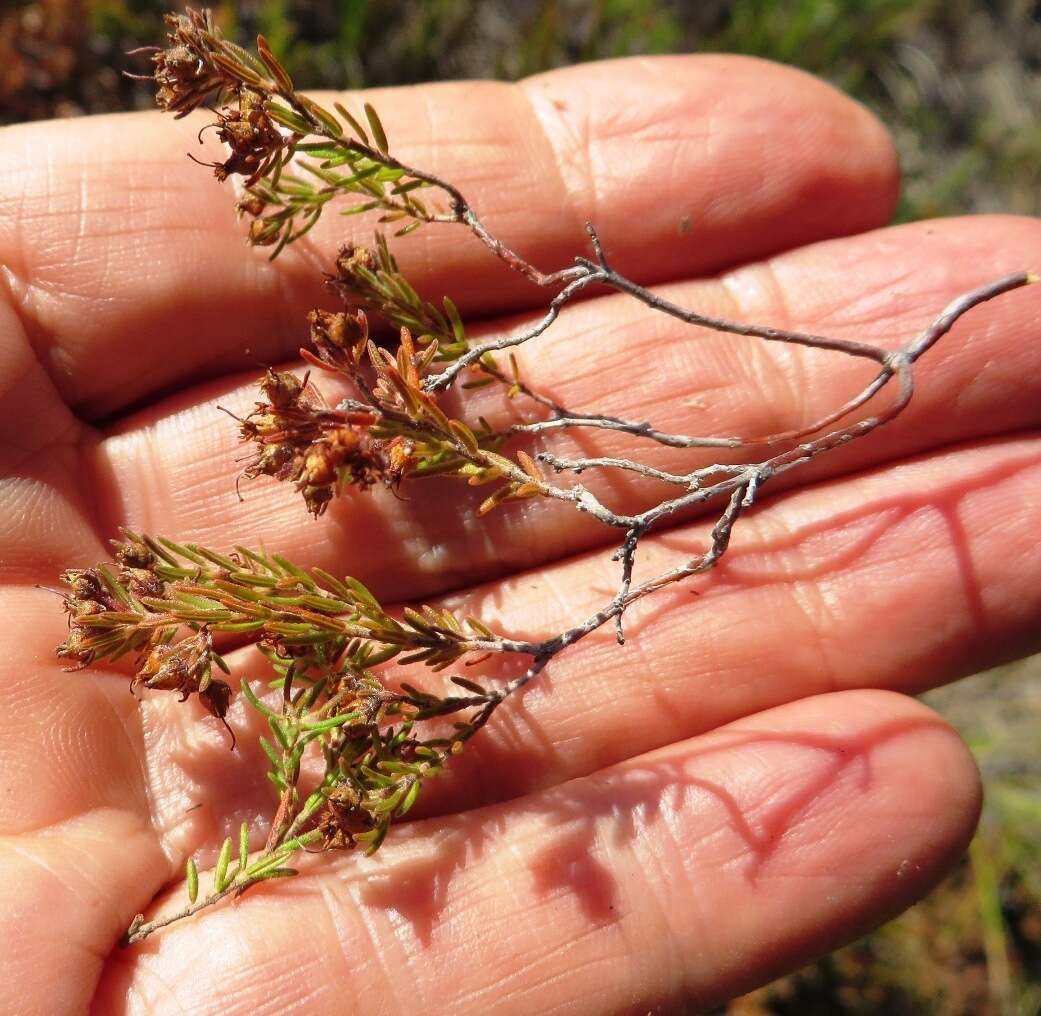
(198, 64)
(355, 265)
(95, 591)
(340, 340)
(255, 141)
(320, 450)
(388, 771)
(186, 667)
(187, 72)
(105, 620)
(343, 818)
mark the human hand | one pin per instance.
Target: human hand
(669, 822)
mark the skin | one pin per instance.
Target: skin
(745, 785)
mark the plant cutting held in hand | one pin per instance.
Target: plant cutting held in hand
(407, 417)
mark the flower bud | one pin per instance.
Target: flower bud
(264, 232)
(134, 554)
(86, 583)
(319, 466)
(328, 328)
(183, 666)
(281, 388)
(351, 258)
(216, 697)
(271, 461)
(251, 204)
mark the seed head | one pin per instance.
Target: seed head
(185, 73)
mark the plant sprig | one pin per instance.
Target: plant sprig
(328, 639)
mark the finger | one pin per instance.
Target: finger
(172, 464)
(730, 859)
(76, 838)
(48, 518)
(77, 844)
(130, 271)
(902, 580)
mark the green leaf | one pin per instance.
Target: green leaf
(281, 732)
(374, 838)
(377, 128)
(243, 846)
(410, 185)
(310, 696)
(367, 206)
(325, 603)
(211, 555)
(331, 583)
(458, 328)
(364, 596)
(411, 796)
(331, 723)
(297, 843)
(239, 69)
(269, 749)
(192, 874)
(377, 656)
(154, 546)
(182, 551)
(360, 176)
(313, 803)
(294, 630)
(237, 626)
(280, 873)
(295, 571)
(115, 587)
(481, 629)
(328, 121)
(255, 702)
(352, 123)
(260, 561)
(244, 55)
(220, 873)
(374, 777)
(320, 150)
(273, 860)
(387, 804)
(288, 118)
(265, 863)
(278, 72)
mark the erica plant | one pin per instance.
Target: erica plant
(351, 744)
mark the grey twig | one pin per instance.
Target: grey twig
(740, 483)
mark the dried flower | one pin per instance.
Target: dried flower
(340, 340)
(256, 143)
(318, 449)
(186, 74)
(183, 667)
(353, 261)
(342, 819)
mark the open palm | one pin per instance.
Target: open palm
(648, 827)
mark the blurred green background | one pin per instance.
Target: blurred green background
(958, 83)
